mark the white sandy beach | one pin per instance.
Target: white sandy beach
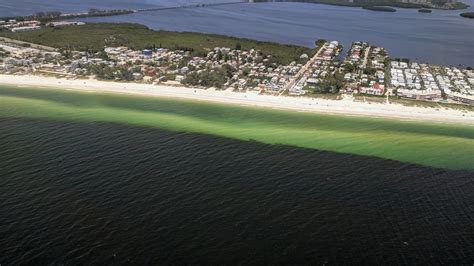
(304, 104)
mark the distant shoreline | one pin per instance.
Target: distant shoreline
(377, 3)
(315, 105)
(380, 8)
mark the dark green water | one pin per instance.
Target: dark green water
(103, 193)
(78, 189)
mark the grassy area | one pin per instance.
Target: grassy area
(97, 35)
(325, 96)
(369, 98)
(411, 102)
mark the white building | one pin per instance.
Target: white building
(27, 28)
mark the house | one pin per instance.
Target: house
(427, 95)
(312, 82)
(26, 28)
(304, 56)
(376, 89)
(151, 73)
(461, 98)
(147, 52)
(137, 76)
(65, 23)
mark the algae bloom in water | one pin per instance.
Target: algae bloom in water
(429, 144)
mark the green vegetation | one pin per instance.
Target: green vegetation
(424, 10)
(323, 91)
(45, 17)
(370, 3)
(319, 43)
(332, 84)
(3, 53)
(124, 73)
(216, 77)
(467, 15)
(370, 71)
(94, 37)
(348, 67)
(437, 145)
(459, 5)
(428, 104)
(93, 13)
(380, 8)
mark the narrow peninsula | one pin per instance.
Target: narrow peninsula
(467, 15)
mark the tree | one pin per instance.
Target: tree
(229, 70)
(219, 55)
(349, 67)
(246, 71)
(238, 46)
(320, 42)
(208, 78)
(103, 55)
(370, 71)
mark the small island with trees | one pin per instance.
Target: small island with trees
(49, 16)
(467, 15)
(380, 8)
(424, 10)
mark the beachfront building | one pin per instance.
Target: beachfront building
(235, 69)
(375, 89)
(26, 28)
(21, 26)
(457, 97)
(364, 67)
(65, 23)
(425, 95)
(429, 77)
(245, 70)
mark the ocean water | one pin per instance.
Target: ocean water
(105, 179)
(101, 179)
(442, 37)
(430, 144)
(102, 193)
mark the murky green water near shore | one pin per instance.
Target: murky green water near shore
(429, 144)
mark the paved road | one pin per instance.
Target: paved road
(303, 70)
(367, 50)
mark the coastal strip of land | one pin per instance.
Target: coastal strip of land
(300, 104)
(447, 5)
(467, 15)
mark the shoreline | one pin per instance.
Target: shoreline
(460, 6)
(252, 99)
